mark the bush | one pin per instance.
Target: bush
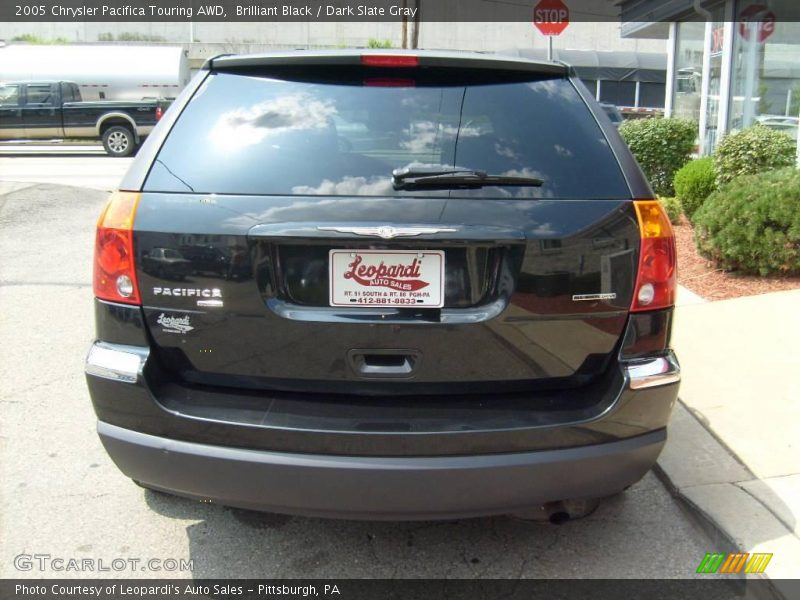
(662, 146)
(672, 206)
(751, 151)
(752, 224)
(695, 182)
(31, 38)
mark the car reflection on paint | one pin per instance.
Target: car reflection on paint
(165, 263)
(227, 262)
(206, 259)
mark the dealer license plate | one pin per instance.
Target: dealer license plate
(387, 278)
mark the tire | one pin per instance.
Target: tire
(119, 141)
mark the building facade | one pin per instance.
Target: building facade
(731, 63)
(456, 35)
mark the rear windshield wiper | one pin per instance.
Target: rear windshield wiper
(421, 178)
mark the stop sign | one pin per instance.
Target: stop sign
(551, 17)
(756, 13)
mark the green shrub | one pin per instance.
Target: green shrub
(695, 182)
(128, 36)
(32, 38)
(373, 43)
(752, 150)
(662, 146)
(673, 208)
(752, 224)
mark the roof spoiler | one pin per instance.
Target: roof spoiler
(353, 57)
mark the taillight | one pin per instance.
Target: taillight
(656, 277)
(390, 60)
(114, 264)
(159, 113)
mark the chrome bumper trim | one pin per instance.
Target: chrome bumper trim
(659, 371)
(116, 362)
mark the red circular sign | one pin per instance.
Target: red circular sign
(551, 17)
(760, 15)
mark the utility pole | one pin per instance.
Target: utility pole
(404, 27)
(417, 22)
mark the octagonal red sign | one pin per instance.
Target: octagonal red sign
(757, 13)
(551, 17)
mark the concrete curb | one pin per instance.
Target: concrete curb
(712, 483)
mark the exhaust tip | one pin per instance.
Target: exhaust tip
(557, 513)
(559, 518)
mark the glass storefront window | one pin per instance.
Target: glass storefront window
(766, 76)
(651, 95)
(688, 70)
(714, 78)
(619, 93)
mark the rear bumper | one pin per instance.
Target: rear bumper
(370, 487)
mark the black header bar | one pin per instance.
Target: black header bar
(360, 10)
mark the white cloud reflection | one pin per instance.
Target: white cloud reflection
(429, 137)
(382, 186)
(348, 186)
(248, 126)
(556, 89)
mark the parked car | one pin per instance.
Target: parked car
(206, 259)
(166, 263)
(787, 125)
(31, 110)
(459, 304)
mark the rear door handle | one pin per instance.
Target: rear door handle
(381, 363)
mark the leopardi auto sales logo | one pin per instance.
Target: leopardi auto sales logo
(174, 324)
(401, 276)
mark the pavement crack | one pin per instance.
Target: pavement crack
(789, 528)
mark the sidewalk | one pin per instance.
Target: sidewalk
(734, 448)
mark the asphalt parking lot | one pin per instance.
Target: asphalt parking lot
(61, 495)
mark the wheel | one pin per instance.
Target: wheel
(119, 141)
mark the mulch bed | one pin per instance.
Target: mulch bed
(699, 275)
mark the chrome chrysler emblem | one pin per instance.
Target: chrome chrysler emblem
(585, 297)
(388, 232)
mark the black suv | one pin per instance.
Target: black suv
(454, 293)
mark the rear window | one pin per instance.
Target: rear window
(343, 134)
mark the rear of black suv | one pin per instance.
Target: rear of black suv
(443, 289)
